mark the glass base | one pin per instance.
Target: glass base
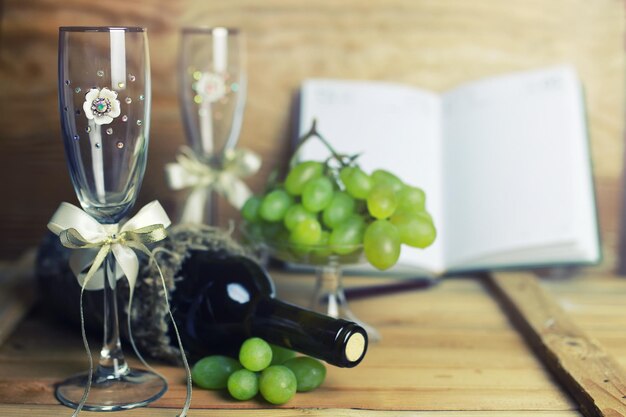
(330, 299)
(136, 388)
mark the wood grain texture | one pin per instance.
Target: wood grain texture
(56, 410)
(591, 375)
(431, 44)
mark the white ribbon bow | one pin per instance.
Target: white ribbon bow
(78, 230)
(94, 241)
(191, 172)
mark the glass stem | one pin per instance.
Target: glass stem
(329, 296)
(112, 363)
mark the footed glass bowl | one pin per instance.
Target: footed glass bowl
(329, 297)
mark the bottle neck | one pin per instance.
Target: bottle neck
(339, 342)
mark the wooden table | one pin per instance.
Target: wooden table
(448, 351)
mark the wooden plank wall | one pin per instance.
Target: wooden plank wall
(435, 44)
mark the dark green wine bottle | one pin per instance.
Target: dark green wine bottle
(222, 300)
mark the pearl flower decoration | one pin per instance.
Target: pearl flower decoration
(101, 105)
(211, 87)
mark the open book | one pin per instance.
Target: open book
(504, 162)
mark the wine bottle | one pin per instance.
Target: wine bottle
(222, 300)
(219, 297)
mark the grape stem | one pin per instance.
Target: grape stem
(313, 133)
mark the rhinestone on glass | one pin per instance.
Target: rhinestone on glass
(124, 118)
(139, 122)
(131, 77)
(101, 106)
(119, 145)
(100, 73)
(128, 100)
(109, 131)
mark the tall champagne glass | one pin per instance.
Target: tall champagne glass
(104, 97)
(212, 94)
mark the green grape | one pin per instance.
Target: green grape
(357, 183)
(416, 229)
(346, 237)
(274, 232)
(427, 215)
(274, 205)
(309, 372)
(345, 171)
(381, 244)
(277, 384)
(306, 233)
(301, 174)
(297, 253)
(250, 209)
(340, 208)
(212, 372)
(243, 384)
(317, 194)
(380, 176)
(382, 201)
(295, 215)
(255, 354)
(411, 199)
(254, 232)
(281, 354)
(322, 249)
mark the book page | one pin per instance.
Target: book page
(393, 127)
(517, 173)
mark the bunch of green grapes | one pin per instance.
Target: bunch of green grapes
(271, 370)
(322, 210)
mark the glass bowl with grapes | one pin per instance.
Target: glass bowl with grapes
(328, 214)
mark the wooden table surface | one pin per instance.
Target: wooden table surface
(448, 351)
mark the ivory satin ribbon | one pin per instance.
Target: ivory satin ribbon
(190, 172)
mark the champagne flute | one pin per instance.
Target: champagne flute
(104, 98)
(212, 94)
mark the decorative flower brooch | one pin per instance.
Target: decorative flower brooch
(101, 105)
(211, 87)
